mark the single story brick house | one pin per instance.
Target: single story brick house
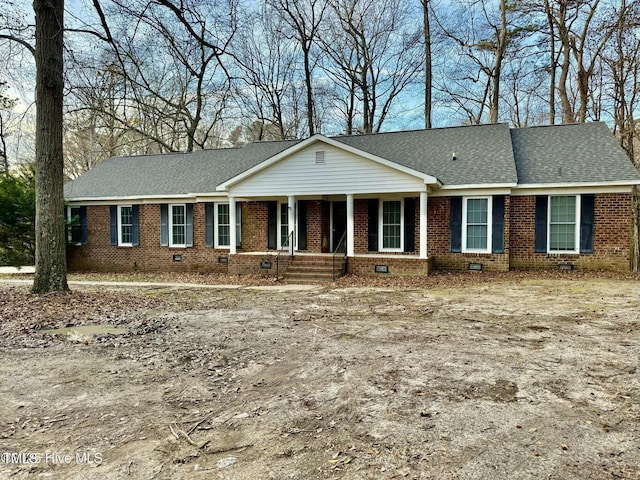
(481, 197)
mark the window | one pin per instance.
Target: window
(223, 225)
(564, 212)
(476, 225)
(284, 225)
(125, 224)
(391, 225)
(177, 225)
(223, 237)
(74, 230)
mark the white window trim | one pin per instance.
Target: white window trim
(216, 224)
(576, 249)
(120, 242)
(295, 239)
(381, 225)
(69, 218)
(489, 200)
(171, 244)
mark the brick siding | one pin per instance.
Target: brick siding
(99, 255)
(398, 266)
(439, 239)
(611, 240)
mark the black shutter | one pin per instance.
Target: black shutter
(586, 223)
(239, 223)
(455, 224)
(113, 224)
(497, 233)
(373, 225)
(272, 225)
(164, 225)
(83, 225)
(302, 225)
(189, 224)
(208, 224)
(540, 242)
(135, 225)
(410, 224)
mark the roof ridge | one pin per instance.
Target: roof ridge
(582, 124)
(417, 130)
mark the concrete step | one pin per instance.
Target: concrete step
(310, 269)
(308, 277)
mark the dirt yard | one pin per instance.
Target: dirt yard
(462, 377)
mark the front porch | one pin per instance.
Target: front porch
(357, 225)
(315, 268)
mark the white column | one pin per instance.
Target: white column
(292, 221)
(350, 226)
(423, 224)
(232, 225)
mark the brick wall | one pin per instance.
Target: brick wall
(612, 226)
(439, 239)
(398, 266)
(252, 264)
(361, 228)
(254, 226)
(99, 255)
(611, 241)
(317, 225)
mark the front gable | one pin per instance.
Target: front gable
(321, 166)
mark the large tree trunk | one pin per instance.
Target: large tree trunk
(51, 265)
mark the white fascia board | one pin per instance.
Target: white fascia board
(428, 179)
(574, 188)
(205, 197)
(128, 200)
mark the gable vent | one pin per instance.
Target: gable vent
(320, 157)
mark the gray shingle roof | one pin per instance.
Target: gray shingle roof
(485, 154)
(582, 153)
(171, 173)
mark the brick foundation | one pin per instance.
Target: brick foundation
(398, 266)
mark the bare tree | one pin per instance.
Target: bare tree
(582, 35)
(268, 80)
(375, 49)
(6, 105)
(483, 37)
(428, 80)
(304, 19)
(170, 60)
(622, 60)
(51, 264)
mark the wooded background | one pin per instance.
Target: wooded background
(168, 75)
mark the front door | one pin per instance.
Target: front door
(338, 223)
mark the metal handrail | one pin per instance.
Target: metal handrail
(340, 248)
(287, 244)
